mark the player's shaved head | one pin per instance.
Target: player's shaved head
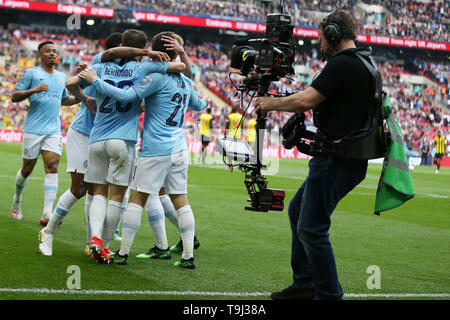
(43, 44)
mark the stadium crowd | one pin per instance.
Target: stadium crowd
(410, 19)
(230, 8)
(75, 48)
(420, 20)
(421, 11)
(436, 71)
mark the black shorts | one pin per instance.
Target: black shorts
(438, 155)
(205, 140)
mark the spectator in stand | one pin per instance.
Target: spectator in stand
(426, 151)
(413, 19)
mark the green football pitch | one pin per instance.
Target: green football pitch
(402, 254)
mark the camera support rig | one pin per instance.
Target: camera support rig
(262, 198)
(271, 60)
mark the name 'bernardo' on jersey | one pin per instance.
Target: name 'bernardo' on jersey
(118, 73)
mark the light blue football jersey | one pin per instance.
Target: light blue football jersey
(116, 120)
(43, 114)
(84, 120)
(167, 97)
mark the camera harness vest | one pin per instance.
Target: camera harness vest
(368, 143)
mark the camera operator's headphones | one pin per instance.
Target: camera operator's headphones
(331, 31)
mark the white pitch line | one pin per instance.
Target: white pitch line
(114, 292)
(203, 293)
(397, 295)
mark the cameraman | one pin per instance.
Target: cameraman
(340, 97)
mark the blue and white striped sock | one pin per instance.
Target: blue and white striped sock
(130, 225)
(155, 213)
(50, 191)
(65, 203)
(169, 210)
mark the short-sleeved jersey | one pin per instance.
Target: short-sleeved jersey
(167, 97)
(234, 119)
(348, 89)
(43, 114)
(440, 144)
(115, 120)
(84, 119)
(205, 121)
(251, 130)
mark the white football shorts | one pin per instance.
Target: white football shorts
(77, 151)
(33, 144)
(151, 173)
(110, 161)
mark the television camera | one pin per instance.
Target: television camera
(260, 61)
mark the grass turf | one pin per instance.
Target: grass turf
(240, 251)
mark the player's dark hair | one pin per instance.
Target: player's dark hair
(134, 38)
(43, 44)
(344, 21)
(113, 40)
(158, 43)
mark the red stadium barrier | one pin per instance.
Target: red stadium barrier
(15, 136)
(260, 27)
(57, 7)
(7, 135)
(410, 43)
(445, 162)
(194, 146)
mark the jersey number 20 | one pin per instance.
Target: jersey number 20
(119, 106)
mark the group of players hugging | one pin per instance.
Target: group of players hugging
(102, 143)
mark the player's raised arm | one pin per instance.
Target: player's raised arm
(176, 67)
(23, 88)
(67, 100)
(165, 67)
(20, 95)
(73, 86)
(122, 95)
(195, 103)
(70, 101)
(129, 52)
(175, 44)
